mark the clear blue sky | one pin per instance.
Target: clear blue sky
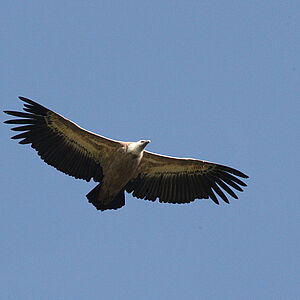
(214, 80)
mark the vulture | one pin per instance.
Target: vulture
(120, 166)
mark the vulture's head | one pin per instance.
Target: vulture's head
(138, 147)
(143, 143)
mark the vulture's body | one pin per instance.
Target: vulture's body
(120, 166)
(121, 169)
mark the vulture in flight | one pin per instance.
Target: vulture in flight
(120, 166)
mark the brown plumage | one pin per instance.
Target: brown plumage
(120, 166)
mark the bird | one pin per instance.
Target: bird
(120, 166)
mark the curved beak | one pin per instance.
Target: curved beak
(146, 143)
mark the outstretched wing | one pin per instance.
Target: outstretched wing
(182, 180)
(61, 143)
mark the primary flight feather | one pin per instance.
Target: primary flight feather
(120, 166)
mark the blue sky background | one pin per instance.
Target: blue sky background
(214, 80)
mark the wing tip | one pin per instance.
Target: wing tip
(23, 98)
(233, 171)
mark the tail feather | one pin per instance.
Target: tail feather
(117, 202)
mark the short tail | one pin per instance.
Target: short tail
(117, 202)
